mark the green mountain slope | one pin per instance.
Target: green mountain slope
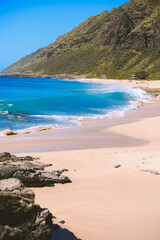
(116, 43)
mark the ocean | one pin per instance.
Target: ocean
(29, 103)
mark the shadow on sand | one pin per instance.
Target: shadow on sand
(63, 234)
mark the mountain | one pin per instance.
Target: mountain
(115, 44)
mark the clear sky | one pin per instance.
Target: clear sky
(26, 25)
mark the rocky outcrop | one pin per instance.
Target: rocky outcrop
(29, 171)
(20, 218)
(5, 156)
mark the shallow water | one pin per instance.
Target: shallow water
(33, 102)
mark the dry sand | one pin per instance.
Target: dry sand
(146, 85)
(102, 202)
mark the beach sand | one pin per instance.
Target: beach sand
(102, 202)
(152, 85)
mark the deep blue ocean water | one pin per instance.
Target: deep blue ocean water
(32, 102)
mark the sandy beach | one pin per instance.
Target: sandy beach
(152, 85)
(102, 202)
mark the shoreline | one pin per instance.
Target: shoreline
(152, 87)
(89, 135)
(147, 85)
(103, 201)
(100, 195)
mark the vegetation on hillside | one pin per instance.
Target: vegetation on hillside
(116, 43)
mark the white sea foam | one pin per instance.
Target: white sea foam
(65, 121)
(4, 112)
(136, 93)
(33, 129)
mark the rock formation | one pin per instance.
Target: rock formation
(30, 172)
(20, 217)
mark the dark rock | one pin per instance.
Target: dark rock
(8, 169)
(30, 173)
(10, 133)
(151, 171)
(26, 158)
(16, 202)
(57, 177)
(5, 156)
(31, 178)
(20, 218)
(64, 170)
(117, 166)
(9, 233)
(62, 222)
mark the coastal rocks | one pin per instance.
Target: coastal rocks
(30, 172)
(20, 218)
(32, 178)
(16, 201)
(9, 132)
(5, 156)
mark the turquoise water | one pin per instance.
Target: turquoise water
(32, 102)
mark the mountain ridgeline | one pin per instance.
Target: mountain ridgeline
(115, 44)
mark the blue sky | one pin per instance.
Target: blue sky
(26, 25)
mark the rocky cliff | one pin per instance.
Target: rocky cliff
(115, 44)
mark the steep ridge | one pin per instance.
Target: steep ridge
(114, 44)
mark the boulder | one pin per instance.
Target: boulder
(20, 218)
(16, 202)
(10, 132)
